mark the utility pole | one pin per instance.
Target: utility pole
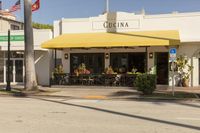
(30, 74)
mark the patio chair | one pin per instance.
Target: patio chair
(91, 80)
(117, 80)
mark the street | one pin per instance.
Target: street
(64, 115)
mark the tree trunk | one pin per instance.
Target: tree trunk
(30, 75)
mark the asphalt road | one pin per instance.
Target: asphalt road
(48, 115)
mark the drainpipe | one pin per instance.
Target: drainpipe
(192, 74)
(146, 50)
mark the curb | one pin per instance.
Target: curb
(98, 97)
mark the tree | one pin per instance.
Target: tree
(30, 75)
(42, 26)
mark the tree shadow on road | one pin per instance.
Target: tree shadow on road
(122, 114)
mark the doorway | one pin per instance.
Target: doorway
(162, 60)
(16, 70)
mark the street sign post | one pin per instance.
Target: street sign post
(8, 87)
(172, 55)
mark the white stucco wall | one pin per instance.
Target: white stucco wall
(42, 64)
(185, 23)
(56, 28)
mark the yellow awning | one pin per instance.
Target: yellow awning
(125, 39)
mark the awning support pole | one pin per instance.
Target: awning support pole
(55, 63)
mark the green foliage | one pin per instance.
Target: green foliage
(42, 26)
(146, 83)
(184, 68)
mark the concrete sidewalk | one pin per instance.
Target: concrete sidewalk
(103, 92)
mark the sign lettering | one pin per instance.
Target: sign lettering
(118, 24)
(115, 24)
(13, 38)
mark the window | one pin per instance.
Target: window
(125, 62)
(94, 62)
(14, 27)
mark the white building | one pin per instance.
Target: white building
(108, 39)
(42, 59)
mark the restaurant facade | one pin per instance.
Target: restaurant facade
(128, 42)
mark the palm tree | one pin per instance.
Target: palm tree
(30, 75)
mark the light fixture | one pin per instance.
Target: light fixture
(107, 55)
(151, 55)
(66, 56)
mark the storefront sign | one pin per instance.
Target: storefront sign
(113, 25)
(13, 38)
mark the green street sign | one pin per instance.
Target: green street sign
(13, 38)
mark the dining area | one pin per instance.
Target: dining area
(88, 69)
(93, 79)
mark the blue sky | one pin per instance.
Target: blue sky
(56, 9)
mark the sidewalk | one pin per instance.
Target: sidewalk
(106, 93)
(102, 92)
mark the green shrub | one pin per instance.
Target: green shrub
(146, 83)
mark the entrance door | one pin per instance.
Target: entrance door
(1, 70)
(16, 70)
(162, 68)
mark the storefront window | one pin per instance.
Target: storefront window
(125, 62)
(93, 62)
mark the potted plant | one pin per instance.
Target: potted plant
(184, 70)
(186, 76)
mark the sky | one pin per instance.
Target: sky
(56, 9)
